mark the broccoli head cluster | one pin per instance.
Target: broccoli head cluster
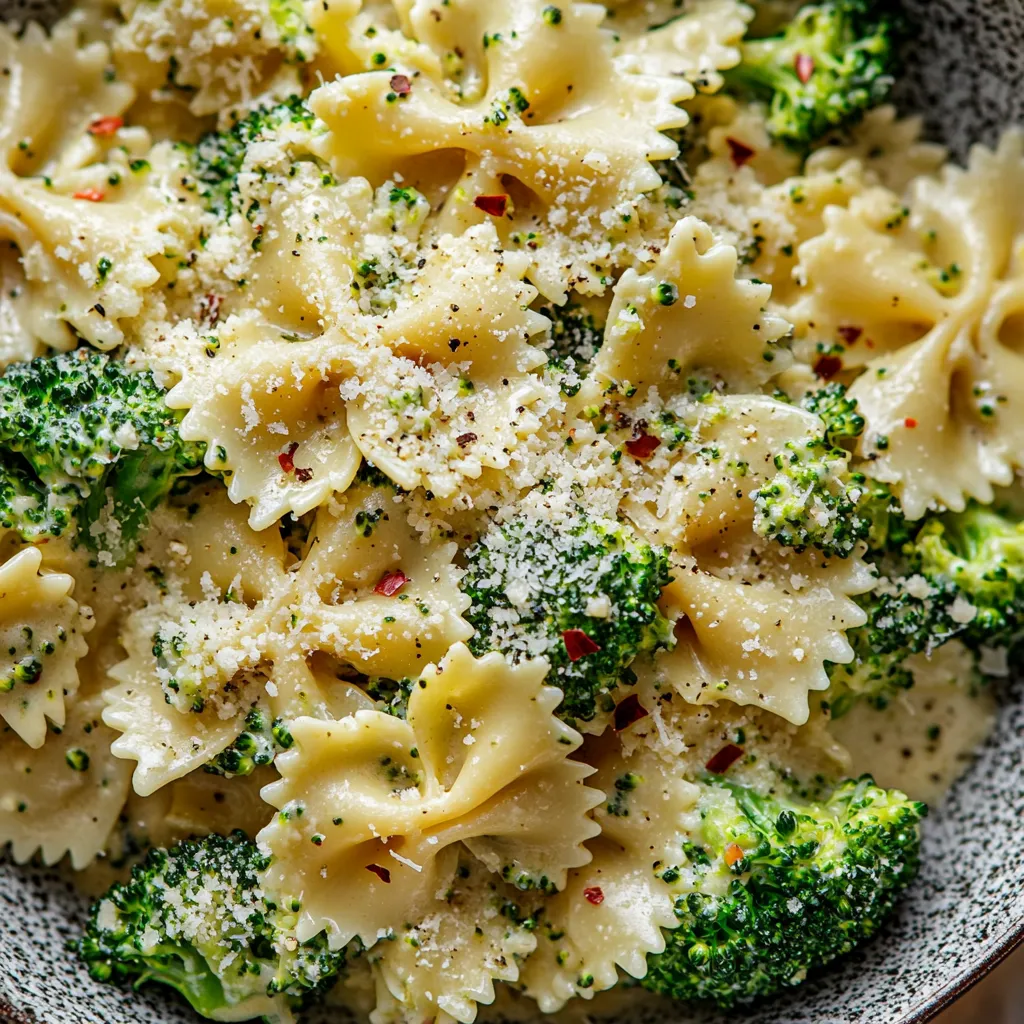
(217, 158)
(86, 443)
(582, 593)
(953, 576)
(948, 576)
(830, 64)
(195, 917)
(811, 880)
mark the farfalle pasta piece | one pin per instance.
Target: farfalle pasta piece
(888, 146)
(192, 672)
(697, 44)
(65, 796)
(756, 621)
(37, 135)
(42, 638)
(457, 397)
(272, 417)
(197, 648)
(925, 304)
(354, 36)
(542, 103)
(374, 593)
(689, 315)
(213, 56)
(468, 305)
(368, 804)
(612, 913)
(447, 957)
(88, 258)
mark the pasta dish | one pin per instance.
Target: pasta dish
(501, 501)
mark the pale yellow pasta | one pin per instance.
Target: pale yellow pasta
(64, 797)
(928, 308)
(481, 761)
(415, 275)
(42, 636)
(689, 315)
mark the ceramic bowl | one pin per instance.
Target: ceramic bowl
(964, 914)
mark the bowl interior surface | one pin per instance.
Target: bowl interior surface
(965, 912)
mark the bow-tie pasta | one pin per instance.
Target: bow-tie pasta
(524, 439)
(466, 767)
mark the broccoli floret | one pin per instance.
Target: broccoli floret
(955, 576)
(813, 499)
(583, 594)
(812, 880)
(574, 335)
(816, 500)
(217, 157)
(831, 63)
(83, 440)
(837, 411)
(980, 554)
(194, 917)
(260, 743)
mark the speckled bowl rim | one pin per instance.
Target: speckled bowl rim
(947, 995)
(968, 87)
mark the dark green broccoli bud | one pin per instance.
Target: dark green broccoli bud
(876, 677)
(583, 594)
(217, 157)
(812, 880)
(370, 475)
(575, 335)
(195, 917)
(260, 743)
(839, 413)
(84, 439)
(831, 63)
(392, 694)
(813, 500)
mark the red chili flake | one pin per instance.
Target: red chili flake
(106, 125)
(740, 152)
(382, 873)
(493, 205)
(910, 422)
(828, 366)
(287, 458)
(733, 854)
(578, 644)
(849, 333)
(391, 583)
(724, 759)
(804, 67)
(209, 308)
(400, 84)
(629, 711)
(463, 439)
(643, 446)
(594, 894)
(94, 195)
(303, 474)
